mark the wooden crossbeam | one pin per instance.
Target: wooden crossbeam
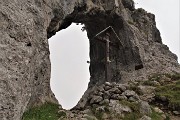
(110, 27)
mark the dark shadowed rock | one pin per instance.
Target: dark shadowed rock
(129, 4)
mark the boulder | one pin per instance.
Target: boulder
(96, 99)
(156, 109)
(122, 87)
(129, 93)
(118, 108)
(145, 108)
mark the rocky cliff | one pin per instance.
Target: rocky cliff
(135, 49)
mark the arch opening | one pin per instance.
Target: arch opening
(69, 53)
(123, 54)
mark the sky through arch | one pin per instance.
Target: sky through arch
(69, 53)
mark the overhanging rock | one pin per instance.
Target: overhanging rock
(25, 27)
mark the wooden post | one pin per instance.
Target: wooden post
(107, 58)
(107, 41)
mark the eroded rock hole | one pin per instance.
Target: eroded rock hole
(69, 53)
(29, 44)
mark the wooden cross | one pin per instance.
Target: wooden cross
(107, 41)
(107, 57)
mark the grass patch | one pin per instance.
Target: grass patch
(172, 93)
(97, 114)
(135, 107)
(149, 83)
(156, 116)
(136, 89)
(131, 116)
(89, 118)
(48, 111)
(155, 77)
(175, 77)
(151, 80)
(163, 79)
(158, 77)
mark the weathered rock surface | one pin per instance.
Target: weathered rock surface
(145, 118)
(145, 108)
(107, 108)
(25, 27)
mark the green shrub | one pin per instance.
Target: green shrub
(48, 111)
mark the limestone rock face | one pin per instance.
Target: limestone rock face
(136, 49)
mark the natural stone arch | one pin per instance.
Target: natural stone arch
(95, 21)
(26, 25)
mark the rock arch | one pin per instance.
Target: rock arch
(26, 25)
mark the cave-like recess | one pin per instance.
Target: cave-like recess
(124, 55)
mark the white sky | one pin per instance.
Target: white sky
(70, 50)
(70, 72)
